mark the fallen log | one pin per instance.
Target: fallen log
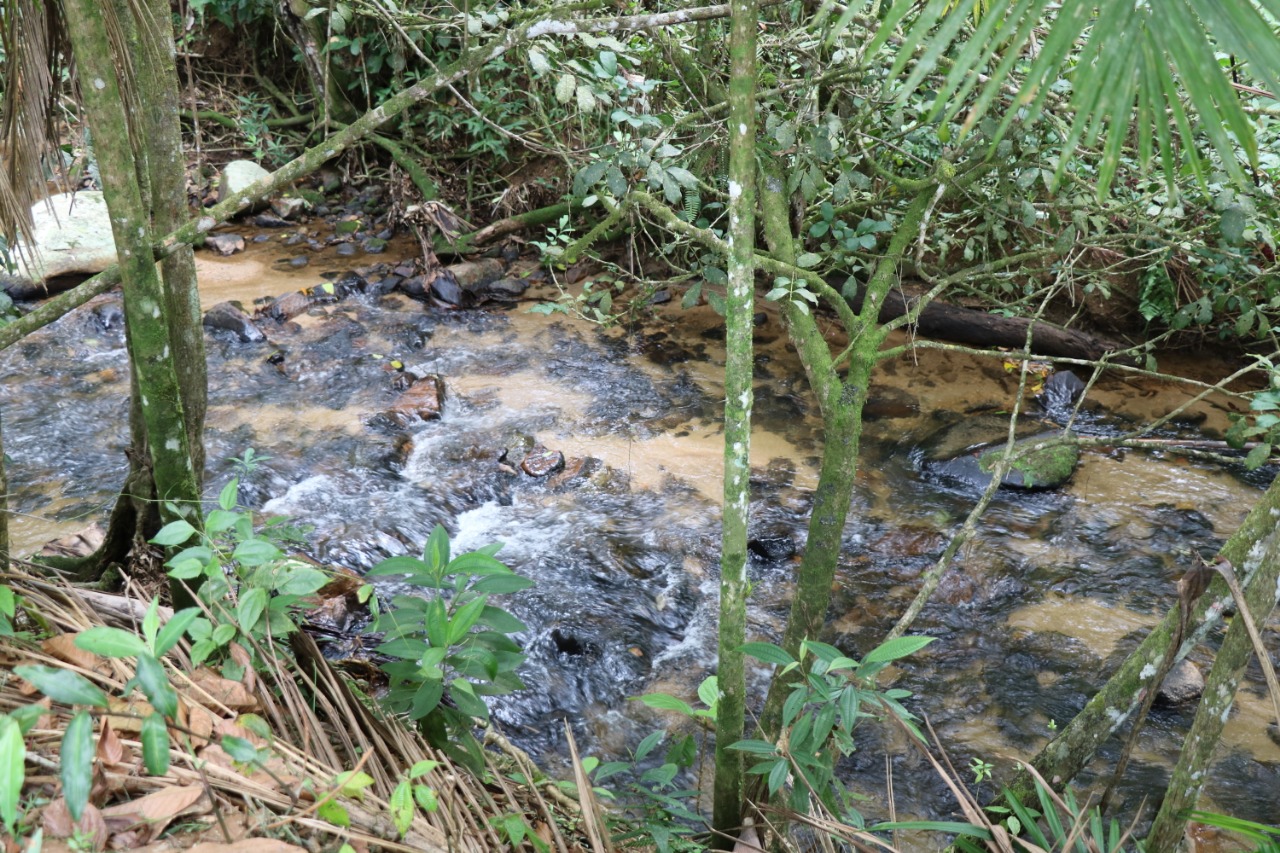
(980, 328)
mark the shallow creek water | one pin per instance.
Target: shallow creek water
(1054, 591)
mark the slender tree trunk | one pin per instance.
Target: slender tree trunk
(1078, 741)
(1262, 570)
(842, 401)
(157, 77)
(739, 357)
(145, 302)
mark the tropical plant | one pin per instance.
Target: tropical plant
(450, 648)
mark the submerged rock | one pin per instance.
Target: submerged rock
(1061, 392)
(424, 399)
(228, 316)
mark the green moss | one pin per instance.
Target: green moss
(1046, 468)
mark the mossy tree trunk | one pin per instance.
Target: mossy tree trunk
(1078, 741)
(739, 358)
(841, 400)
(146, 304)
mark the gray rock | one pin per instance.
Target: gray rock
(224, 244)
(237, 175)
(506, 289)
(288, 208)
(228, 316)
(1184, 683)
(72, 234)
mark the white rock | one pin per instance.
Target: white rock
(72, 236)
(237, 175)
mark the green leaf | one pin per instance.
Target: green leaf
(13, 758)
(1232, 225)
(230, 492)
(155, 744)
(899, 647)
(185, 570)
(250, 609)
(462, 621)
(174, 533)
(755, 747)
(501, 584)
(241, 750)
(110, 642)
(154, 682)
(62, 685)
(300, 579)
(173, 630)
(352, 783)
(666, 702)
(565, 87)
(255, 552)
(436, 553)
(401, 804)
(1257, 457)
(709, 691)
(398, 566)
(778, 776)
(334, 813)
(477, 563)
(220, 520)
(767, 652)
(808, 260)
(77, 763)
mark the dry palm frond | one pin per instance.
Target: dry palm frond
(32, 37)
(320, 728)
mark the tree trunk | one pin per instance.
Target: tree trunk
(145, 301)
(1262, 569)
(739, 358)
(1078, 741)
(981, 328)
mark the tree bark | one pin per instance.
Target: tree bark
(145, 302)
(1078, 741)
(739, 358)
(981, 328)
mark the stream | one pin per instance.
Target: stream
(1057, 587)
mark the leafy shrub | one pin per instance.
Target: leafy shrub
(451, 649)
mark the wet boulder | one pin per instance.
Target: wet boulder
(773, 546)
(969, 450)
(575, 472)
(227, 316)
(506, 289)
(288, 306)
(541, 462)
(423, 400)
(1184, 683)
(71, 237)
(1061, 392)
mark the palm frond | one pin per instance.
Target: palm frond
(33, 44)
(1162, 65)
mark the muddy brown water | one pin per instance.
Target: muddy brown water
(1055, 589)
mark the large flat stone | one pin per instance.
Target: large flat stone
(72, 237)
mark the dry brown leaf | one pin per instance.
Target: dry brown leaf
(110, 750)
(230, 693)
(127, 714)
(57, 823)
(156, 810)
(64, 648)
(240, 656)
(200, 722)
(248, 845)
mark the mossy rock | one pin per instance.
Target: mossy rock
(1046, 468)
